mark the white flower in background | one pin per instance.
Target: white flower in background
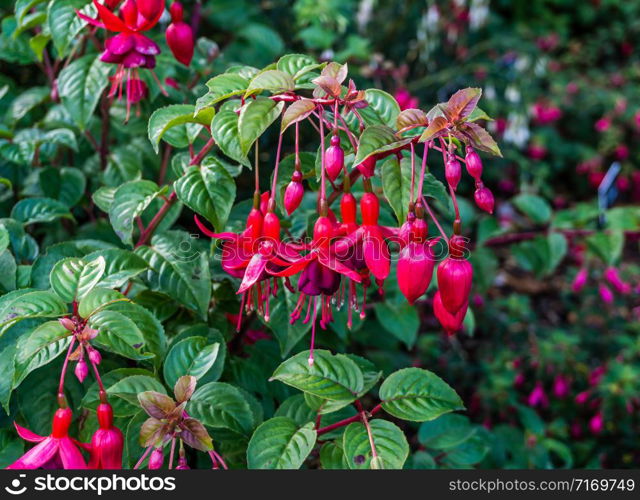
(478, 13)
(433, 17)
(523, 63)
(517, 131)
(540, 68)
(512, 94)
(365, 10)
(490, 92)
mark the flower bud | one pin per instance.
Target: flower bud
(367, 167)
(182, 464)
(452, 171)
(580, 280)
(67, 323)
(474, 163)
(451, 323)
(605, 294)
(538, 397)
(156, 459)
(370, 209)
(82, 370)
(271, 226)
(484, 198)
(334, 159)
(294, 193)
(454, 283)
(612, 275)
(561, 386)
(596, 424)
(415, 269)
(179, 36)
(107, 442)
(94, 355)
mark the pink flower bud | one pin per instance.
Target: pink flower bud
(294, 193)
(334, 159)
(561, 386)
(156, 459)
(582, 397)
(94, 356)
(605, 294)
(451, 323)
(67, 323)
(519, 380)
(603, 124)
(82, 370)
(596, 424)
(612, 275)
(474, 163)
(595, 376)
(454, 283)
(580, 280)
(415, 269)
(538, 397)
(484, 198)
(367, 167)
(182, 464)
(452, 171)
(180, 36)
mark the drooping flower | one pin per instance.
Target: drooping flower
(107, 442)
(56, 451)
(452, 171)
(130, 50)
(561, 386)
(605, 294)
(451, 323)
(180, 35)
(580, 280)
(293, 193)
(473, 163)
(596, 423)
(612, 275)
(455, 275)
(367, 167)
(334, 158)
(415, 261)
(484, 197)
(538, 397)
(156, 459)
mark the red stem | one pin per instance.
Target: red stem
(63, 372)
(145, 235)
(203, 152)
(349, 420)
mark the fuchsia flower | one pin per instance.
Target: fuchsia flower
(415, 262)
(603, 124)
(454, 278)
(561, 386)
(334, 158)
(595, 376)
(473, 163)
(179, 35)
(107, 442)
(405, 99)
(582, 397)
(596, 423)
(451, 323)
(612, 275)
(55, 451)
(580, 280)
(484, 197)
(293, 193)
(605, 294)
(452, 171)
(538, 397)
(129, 49)
(367, 167)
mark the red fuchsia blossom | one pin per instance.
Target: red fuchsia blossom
(580, 280)
(582, 397)
(455, 276)
(605, 294)
(156, 459)
(452, 171)
(561, 386)
(612, 275)
(129, 49)
(519, 380)
(334, 158)
(180, 35)
(544, 113)
(81, 370)
(293, 193)
(603, 124)
(595, 376)
(107, 442)
(56, 451)
(536, 151)
(621, 152)
(451, 323)
(415, 261)
(538, 397)
(596, 423)
(367, 167)
(405, 99)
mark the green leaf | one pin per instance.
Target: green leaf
(66, 185)
(437, 128)
(446, 431)
(255, 118)
(192, 356)
(118, 334)
(27, 101)
(120, 266)
(535, 207)
(468, 453)
(296, 65)
(396, 185)
(39, 348)
(378, 139)
(97, 299)
(27, 303)
(273, 80)
(80, 86)
(129, 387)
(279, 443)
(4, 238)
(64, 23)
(224, 130)
(400, 320)
(332, 456)
(166, 118)
(38, 43)
(390, 443)
(332, 376)
(129, 201)
(479, 138)
(222, 87)
(179, 267)
(418, 395)
(222, 406)
(73, 278)
(288, 334)
(383, 109)
(33, 210)
(296, 409)
(606, 245)
(208, 190)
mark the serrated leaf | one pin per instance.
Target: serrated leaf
(208, 190)
(80, 86)
(279, 443)
(418, 395)
(67, 184)
(222, 87)
(336, 70)
(118, 334)
(166, 118)
(332, 376)
(296, 112)
(22, 304)
(390, 443)
(224, 130)
(129, 387)
(255, 118)
(73, 278)
(34, 210)
(400, 320)
(479, 138)
(446, 431)
(329, 84)
(26, 101)
(97, 299)
(222, 406)
(192, 356)
(120, 266)
(462, 103)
